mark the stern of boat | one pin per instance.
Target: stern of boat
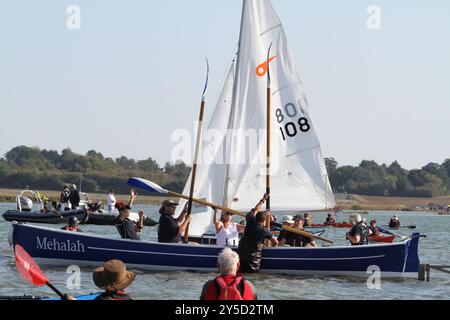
(412, 253)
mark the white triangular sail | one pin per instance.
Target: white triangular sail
(299, 177)
(211, 170)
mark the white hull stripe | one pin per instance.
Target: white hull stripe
(215, 256)
(157, 253)
(162, 268)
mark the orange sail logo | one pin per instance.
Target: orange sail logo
(261, 70)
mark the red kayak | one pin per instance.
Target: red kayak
(382, 238)
(335, 225)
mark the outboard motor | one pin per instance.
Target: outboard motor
(25, 203)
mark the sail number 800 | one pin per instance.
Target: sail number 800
(291, 129)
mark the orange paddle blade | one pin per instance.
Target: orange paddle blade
(27, 268)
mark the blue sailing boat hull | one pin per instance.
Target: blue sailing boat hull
(57, 247)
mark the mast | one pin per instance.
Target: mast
(232, 118)
(269, 94)
(197, 150)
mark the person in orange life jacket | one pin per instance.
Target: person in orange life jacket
(73, 225)
(229, 285)
(360, 233)
(170, 229)
(127, 228)
(114, 278)
(252, 243)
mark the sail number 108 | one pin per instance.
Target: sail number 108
(291, 129)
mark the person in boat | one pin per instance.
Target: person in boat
(111, 201)
(114, 278)
(302, 241)
(127, 228)
(227, 231)
(360, 233)
(252, 243)
(373, 227)
(308, 220)
(330, 220)
(229, 285)
(170, 229)
(72, 225)
(74, 197)
(286, 238)
(395, 222)
(64, 199)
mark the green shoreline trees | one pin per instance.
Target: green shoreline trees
(48, 170)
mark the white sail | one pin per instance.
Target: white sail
(211, 170)
(299, 176)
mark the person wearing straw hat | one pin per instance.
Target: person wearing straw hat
(114, 278)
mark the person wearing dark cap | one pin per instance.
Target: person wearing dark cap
(73, 225)
(127, 228)
(114, 278)
(301, 241)
(252, 243)
(170, 229)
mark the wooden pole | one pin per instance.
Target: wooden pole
(242, 214)
(268, 172)
(197, 151)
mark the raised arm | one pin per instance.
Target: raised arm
(260, 204)
(181, 219)
(133, 195)
(216, 221)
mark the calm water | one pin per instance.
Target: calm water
(187, 285)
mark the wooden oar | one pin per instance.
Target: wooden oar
(155, 188)
(31, 272)
(197, 150)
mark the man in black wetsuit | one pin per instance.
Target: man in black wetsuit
(252, 243)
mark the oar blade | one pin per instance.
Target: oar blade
(146, 185)
(27, 268)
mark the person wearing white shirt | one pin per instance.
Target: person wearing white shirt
(227, 231)
(111, 201)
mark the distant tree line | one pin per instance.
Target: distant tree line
(372, 179)
(50, 170)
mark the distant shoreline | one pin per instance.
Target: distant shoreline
(344, 202)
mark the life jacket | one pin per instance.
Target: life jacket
(235, 291)
(119, 295)
(364, 235)
(69, 228)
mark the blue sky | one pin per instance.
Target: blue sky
(134, 73)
